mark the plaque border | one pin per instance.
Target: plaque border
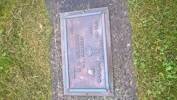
(108, 91)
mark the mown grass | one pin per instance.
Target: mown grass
(24, 50)
(154, 24)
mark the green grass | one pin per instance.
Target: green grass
(154, 24)
(24, 50)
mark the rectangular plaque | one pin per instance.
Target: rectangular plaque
(86, 52)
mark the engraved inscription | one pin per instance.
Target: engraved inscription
(85, 52)
(81, 46)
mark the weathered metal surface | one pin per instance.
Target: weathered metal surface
(86, 52)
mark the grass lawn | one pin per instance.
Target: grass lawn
(24, 50)
(154, 24)
(25, 34)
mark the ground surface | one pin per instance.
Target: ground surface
(24, 49)
(124, 84)
(154, 24)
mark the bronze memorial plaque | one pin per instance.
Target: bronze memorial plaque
(86, 52)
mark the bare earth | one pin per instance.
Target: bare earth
(123, 71)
